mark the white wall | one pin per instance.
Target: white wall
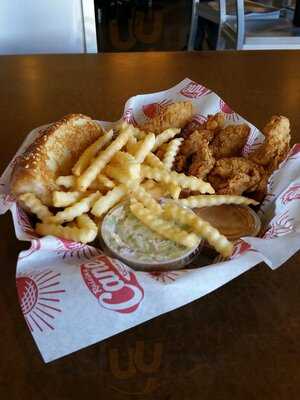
(41, 26)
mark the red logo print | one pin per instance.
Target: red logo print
(279, 227)
(293, 193)
(39, 296)
(24, 222)
(240, 248)
(129, 118)
(199, 118)
(153, 109)
(194, 90)
(35, 246)
(230, 114)
(114, 285)
(166, 276)
(69, 248)
(7, 199)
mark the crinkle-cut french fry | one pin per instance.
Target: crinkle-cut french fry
(35, 205)
(165, 136)
(140, 194)
(171, 152)
(72, 224)
(173, 189)
(116, 173)
(144, 147)
(149, 184)
(122, 175)
(122, 157)
(156, 190)
(198, 225)
(84, 221)
(67, 181)
(105, 181)
(131, 145)
(162, 227)
(154, 161)
(85, 233)
(215, 200)
(186, 182)
(134, 131)
(111, 198)
(89, 153)
(77, 209)
(126, 163)
(84, 180)
(65, 199)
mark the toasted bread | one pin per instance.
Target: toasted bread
(53, 154)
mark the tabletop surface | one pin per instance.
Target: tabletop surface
(239, 342)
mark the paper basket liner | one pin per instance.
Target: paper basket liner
(72, 295)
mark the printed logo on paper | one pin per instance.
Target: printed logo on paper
(199, 118)
(70, 249)
(229, 113)
(280, 226)
(293, 193)
(129, 117)
(35, 246)
(194, 90)
(24, 223)
(166, 276)
(39, 297)
(114, 285)
(153, 109)
(240, 248)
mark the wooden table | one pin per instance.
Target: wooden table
(240, 342)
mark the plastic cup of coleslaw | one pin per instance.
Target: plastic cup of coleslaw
(124, 237)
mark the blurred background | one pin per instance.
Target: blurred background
(91, 26)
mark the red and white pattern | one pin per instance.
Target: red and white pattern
(153, 109)
(199, 118)
(166, 276)
(293, 193)
(35, 246)
(114, 285)
(269, 197)
(129, 117)
(39, 294)
(229, 113)
(194, 90)
(253, 142)
(7, 200)
(24, 223)
(294, 153)
(280, 226)
(240, 248)
(69, 248)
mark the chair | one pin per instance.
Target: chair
(245, 31)
(262, 34)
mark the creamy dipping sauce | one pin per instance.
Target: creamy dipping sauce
(233, 221)
(126, 236)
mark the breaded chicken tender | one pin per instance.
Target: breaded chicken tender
(195, 155)
(235, 175)
(229, 142)
(175, 115)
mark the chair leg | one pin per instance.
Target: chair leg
(194, 25)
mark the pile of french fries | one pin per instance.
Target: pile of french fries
(121, 163)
